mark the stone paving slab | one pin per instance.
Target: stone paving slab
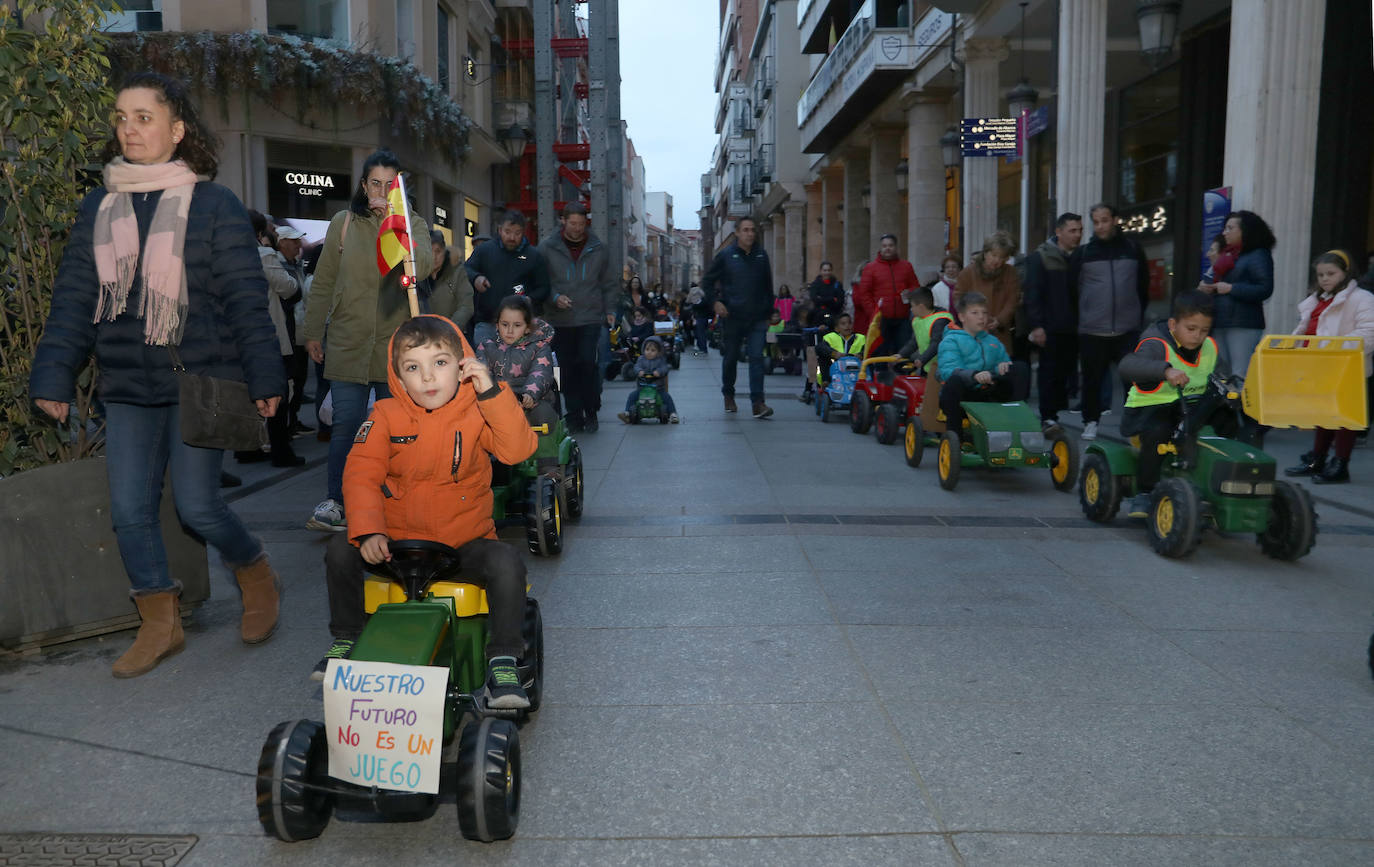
(772, 641)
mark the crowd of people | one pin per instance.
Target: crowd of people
(166, 271)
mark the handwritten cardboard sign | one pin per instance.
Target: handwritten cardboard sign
(385, 723)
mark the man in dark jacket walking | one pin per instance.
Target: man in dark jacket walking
(512, 267)
(585, 289)
(739, 288)
(1052, 315)
(1110, 279)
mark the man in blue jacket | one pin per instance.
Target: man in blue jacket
(739, 288)
(512, 267)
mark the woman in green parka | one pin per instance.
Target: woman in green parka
(361, 308)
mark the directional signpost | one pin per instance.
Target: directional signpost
(988, 136)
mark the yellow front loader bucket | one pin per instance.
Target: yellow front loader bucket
(1306, 382)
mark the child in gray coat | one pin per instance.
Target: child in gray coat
(651, 365)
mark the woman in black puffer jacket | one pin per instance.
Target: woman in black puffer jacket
(160, 257)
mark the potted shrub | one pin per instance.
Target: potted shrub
(62, 563)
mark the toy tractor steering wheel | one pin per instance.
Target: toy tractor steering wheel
(417, 563)
(905, 367)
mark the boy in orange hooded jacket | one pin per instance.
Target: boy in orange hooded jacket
(419, 469)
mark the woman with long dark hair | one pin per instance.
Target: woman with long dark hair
(1242, 280)
(160, 258)
(362, 308)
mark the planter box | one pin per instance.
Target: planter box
(62, 577)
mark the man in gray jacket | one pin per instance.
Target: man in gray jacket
(585, 289)
(1110, 279)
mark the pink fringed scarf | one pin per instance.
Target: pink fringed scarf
(162, 302)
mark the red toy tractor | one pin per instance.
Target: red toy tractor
(886, 396)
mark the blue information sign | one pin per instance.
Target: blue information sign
(988, 136)
(1216, 207)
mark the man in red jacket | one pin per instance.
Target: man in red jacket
(880, 291)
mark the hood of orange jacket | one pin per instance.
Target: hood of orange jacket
(414, 473)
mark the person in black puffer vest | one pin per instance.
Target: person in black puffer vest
(161, 257)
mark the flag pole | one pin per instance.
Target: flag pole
(412, 294)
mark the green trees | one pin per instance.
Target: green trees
(55, 105)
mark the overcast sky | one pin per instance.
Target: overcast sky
(667, 64)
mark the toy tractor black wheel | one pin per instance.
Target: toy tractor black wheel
(1063, 460)
(887, 423)
(532, 662)
(823, 407)
(627, 372)
(949, 460)
(914, 443)
(860, 412)
(1175, 518)
(293, 762)
(1292, 526)
(489, 779)
(675, 360)
(1099, 492)
(573, 490)
(544, 517)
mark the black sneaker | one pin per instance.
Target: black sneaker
(503, 685)
(340, 649)
(1139, 507)
(589, 422)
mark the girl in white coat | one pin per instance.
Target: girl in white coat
(1336, 307)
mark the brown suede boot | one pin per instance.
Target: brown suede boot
(159, 637)
(259, 585)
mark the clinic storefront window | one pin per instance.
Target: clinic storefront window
(1147, 175)
(307, 193)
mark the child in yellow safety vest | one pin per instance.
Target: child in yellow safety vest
(928, 324)
(841, 341)
(1173, 355)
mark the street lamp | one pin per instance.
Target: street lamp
(1158, 22)
(867, 197)
(901, 173)
(950, 148)
(515, 141)
(1021, 99)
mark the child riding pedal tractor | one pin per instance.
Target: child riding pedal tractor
(449, 620)
(983, 397)
(1187, 469)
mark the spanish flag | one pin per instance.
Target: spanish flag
(393, 239)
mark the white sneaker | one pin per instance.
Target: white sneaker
(673, 419)
(1089, 431)
(328, 517)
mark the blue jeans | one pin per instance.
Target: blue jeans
(482, 331)
(350, 411)
(1236, 345)
(702, 323)
(140, 441)
(754, 334)
(633, 397)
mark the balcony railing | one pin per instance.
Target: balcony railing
(743, 124)
(762, 165)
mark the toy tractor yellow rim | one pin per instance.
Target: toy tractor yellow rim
(557, 516)
(1060, 471)
(1164, 516)
(1092, 485)
(946, 456)
(910, 440)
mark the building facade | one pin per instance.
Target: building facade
(1244, 97)
(296, 155)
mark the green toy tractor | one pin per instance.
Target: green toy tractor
(1206, 481)
(529, 494)
(1001, 435)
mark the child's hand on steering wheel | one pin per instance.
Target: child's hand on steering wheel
(374, 549)
(983, 377)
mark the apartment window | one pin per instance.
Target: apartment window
(443, 36)
(405, 28)
(140, 16)
(309, 19)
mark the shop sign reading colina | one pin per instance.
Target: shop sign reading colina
(1152, 222)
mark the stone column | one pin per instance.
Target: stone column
(981, 99)
(832, 214)
(1082, 106)
(1272, 99)
(777, 253)
(766, 239)
(795, 271)
(927, 119)
(857, 247)
(885, 203)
